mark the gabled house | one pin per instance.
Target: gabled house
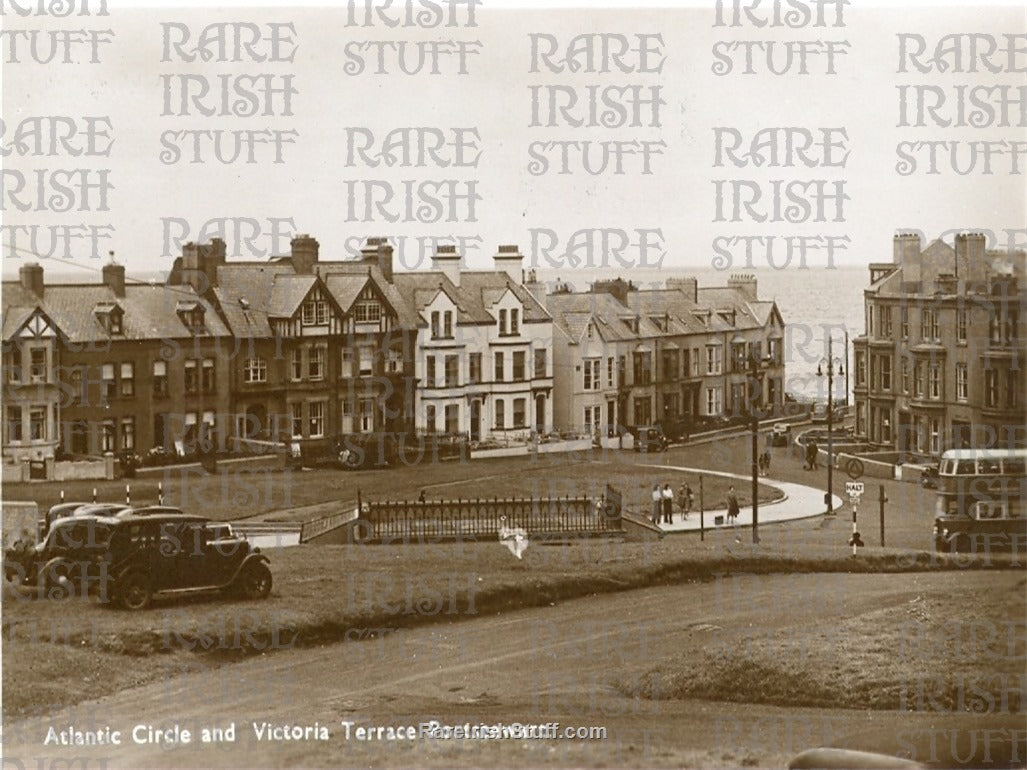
(320, 347)
(482, 361)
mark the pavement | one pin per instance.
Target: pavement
(799, 501)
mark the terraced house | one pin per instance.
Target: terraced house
(108, 367)
(941, 362)
(320, 347)
(672, 356)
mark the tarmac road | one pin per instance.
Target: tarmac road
(553, 664)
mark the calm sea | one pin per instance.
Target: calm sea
(814, 303)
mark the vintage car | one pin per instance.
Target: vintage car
(166, 554)
(69, 558)
(132, 558)
(779, 435)
(650, 439)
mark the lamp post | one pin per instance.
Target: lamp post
(755, 391)
(830, 361)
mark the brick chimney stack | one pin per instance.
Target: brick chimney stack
(305, 251)
(114, 277)
(31, 276)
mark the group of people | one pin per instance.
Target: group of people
(763, 462)
(663, 503)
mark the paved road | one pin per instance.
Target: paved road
(551, 664)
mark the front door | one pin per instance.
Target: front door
(540, 413)
(476, 419)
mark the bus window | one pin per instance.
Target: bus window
(989, 467)
(965, 468)
(1015, 466)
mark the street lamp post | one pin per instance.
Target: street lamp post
(830, 362)
(755, 391)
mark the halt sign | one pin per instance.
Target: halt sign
(854, 488)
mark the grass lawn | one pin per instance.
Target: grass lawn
(937, 653)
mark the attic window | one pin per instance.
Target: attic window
(191, 313)
(367, 312)
(632, 324)
(110, 315)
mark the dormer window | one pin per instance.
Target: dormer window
(315, 313)
(367, 312)
(110, 316)
(191, 313)
(509, 322)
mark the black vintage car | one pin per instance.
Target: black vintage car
(132, 558)
(651, 439)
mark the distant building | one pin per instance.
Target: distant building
(628, 357)
(941, 362)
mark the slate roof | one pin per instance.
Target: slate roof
(339, 277)
(660, 312)
(253, 283)
(150, 311)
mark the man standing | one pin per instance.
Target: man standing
(668, 504)
(657, 503)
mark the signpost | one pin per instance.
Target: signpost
(854, 489)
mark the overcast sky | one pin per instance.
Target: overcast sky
(678, 198)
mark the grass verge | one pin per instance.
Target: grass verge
(935, 653)
(326, 595)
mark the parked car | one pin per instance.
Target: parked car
(819, 413)
(69, 559)
(164, 554)
(132, 558)
(649, 439)
(780, 434)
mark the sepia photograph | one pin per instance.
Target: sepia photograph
(510, 383)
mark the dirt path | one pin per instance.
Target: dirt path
(548, 665)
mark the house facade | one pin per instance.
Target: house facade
(483, 353)
(628, 357)
(941, 362)
(126, 367)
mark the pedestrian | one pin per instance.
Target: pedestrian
(813, 458)
(766, 462)
(808, 466)
(691, 497)
(759, 465)
(668, 504)
(732, 506)
(657, 503)
(421, 497)
(685, 500)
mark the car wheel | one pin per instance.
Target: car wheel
(58, 581)
(133, 591)
(255, 582)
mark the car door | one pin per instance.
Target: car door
(224, 553)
